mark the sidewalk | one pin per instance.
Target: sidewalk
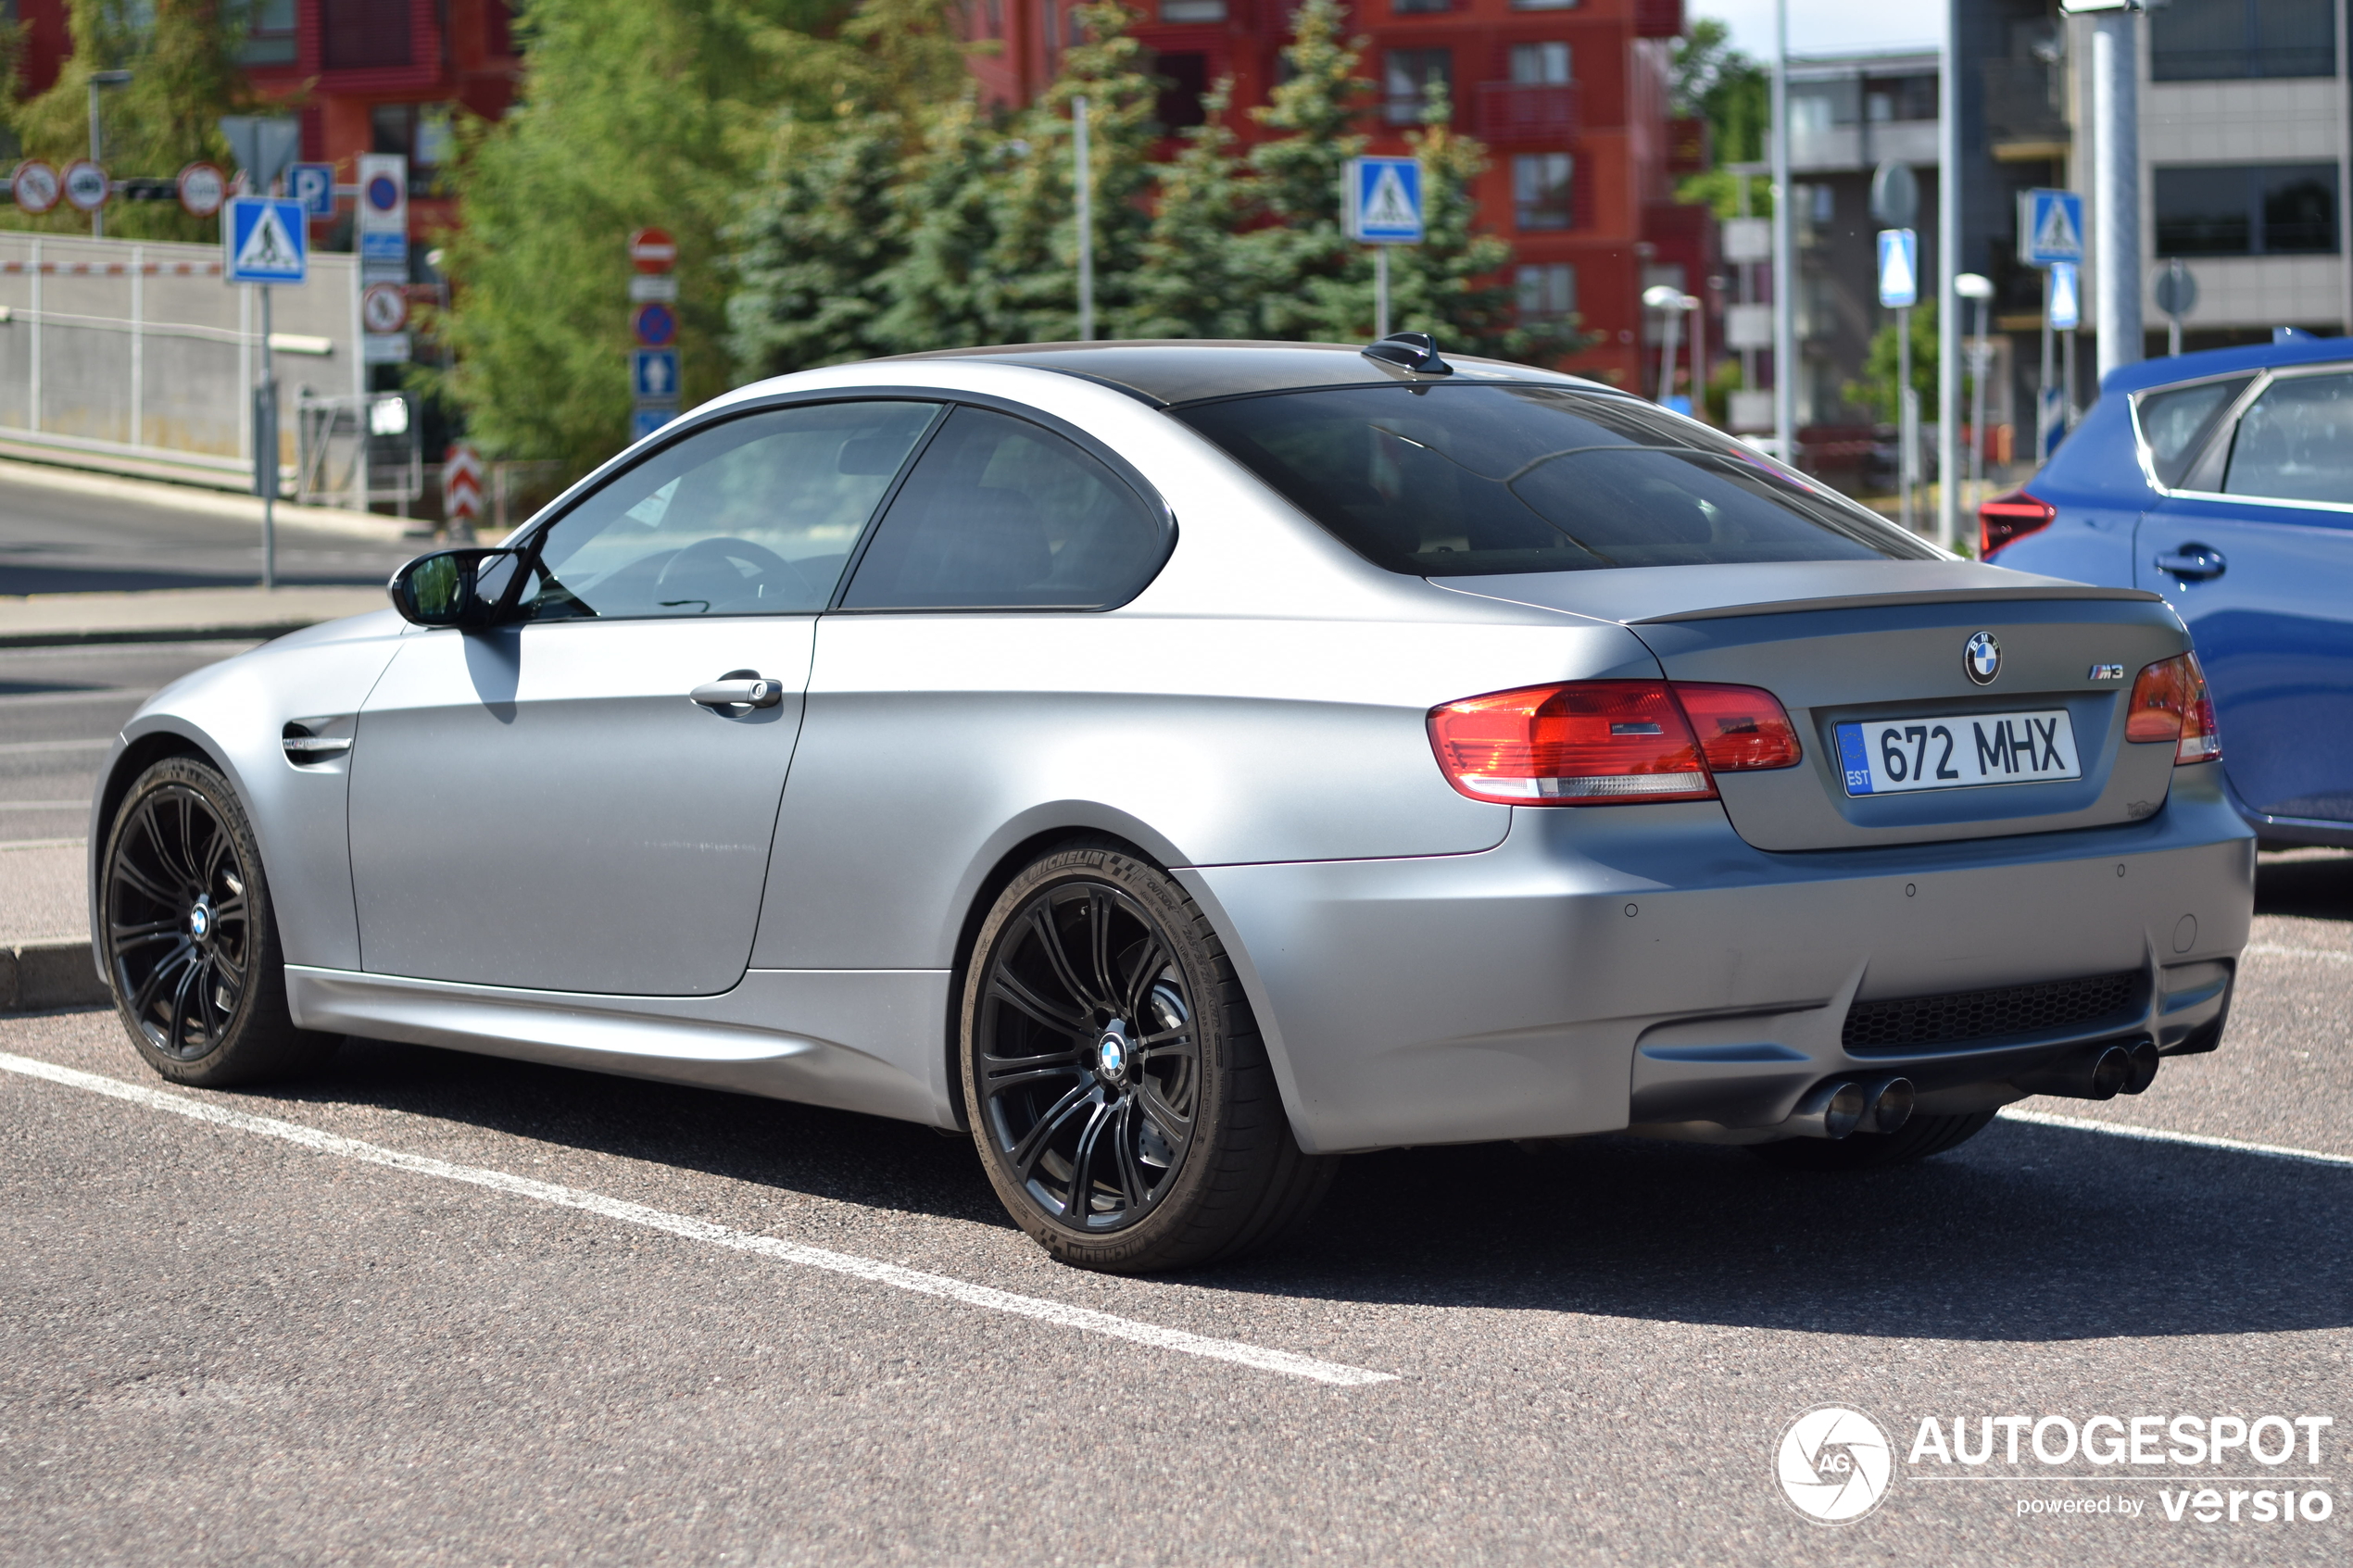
(175, 615)
(44, 928)
(215, 503)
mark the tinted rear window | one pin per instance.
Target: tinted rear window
(1461, 480)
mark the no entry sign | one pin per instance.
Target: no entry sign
(652, 250)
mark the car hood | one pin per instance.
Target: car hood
(1634, 595)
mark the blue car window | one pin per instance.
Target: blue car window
(2173, 420)
(2295, 442)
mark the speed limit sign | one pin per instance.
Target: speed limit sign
(385, 308)
(202, 190)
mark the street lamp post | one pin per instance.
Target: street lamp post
(100, 79)
(1674, 303)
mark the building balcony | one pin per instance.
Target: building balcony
(2025, 110)
(1512, 111)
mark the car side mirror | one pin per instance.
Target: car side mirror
(460, 588)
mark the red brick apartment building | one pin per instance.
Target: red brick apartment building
(1569, 95)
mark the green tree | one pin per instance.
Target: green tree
(1191, 279)
(1312, 280)
(1875, 393)
(1733, 93)
(631, 113)
(181, 57)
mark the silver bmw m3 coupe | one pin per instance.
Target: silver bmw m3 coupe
(1177, 765)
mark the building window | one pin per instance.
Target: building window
(1192, 11)
(358, 34)
(1408, 74)
(270, 33)
(1540, 190)
(1547, 291)
(1888, 99)
(2234, 210)
(1543, 5)
(1184, 79)
(1408, 8)
(1816, 109)
(1540, 64)
(2223, 40)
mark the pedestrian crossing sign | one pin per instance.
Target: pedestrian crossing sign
(2050, 227)
(1899, 271)
(1385, 200)
(264, 240)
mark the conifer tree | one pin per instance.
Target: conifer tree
(1191, 279)
(1311, 280)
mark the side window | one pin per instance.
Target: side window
(1000, 512)
(752, 517)
(2174, 420)
(2295, 442)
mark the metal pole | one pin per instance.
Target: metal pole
(1906, 439)
(1979, 358)
(1948, 256)
(98, 213)
(2067, 377)
(138, 344)
(1748, 295)
(1380, 291)
(32, 392)
(1667, 340)
(1699, 357)
(2050, 374)
(1784, 260)
(2116, 189)
(1083, 183)
(266, 454)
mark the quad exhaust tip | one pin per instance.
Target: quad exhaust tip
(1840, 1106)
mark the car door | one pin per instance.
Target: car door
(552, 803)
(2255, 550)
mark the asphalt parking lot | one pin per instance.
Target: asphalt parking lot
(437, 1309)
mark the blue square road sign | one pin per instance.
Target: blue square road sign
(653, 374)
(1385, 200)
(264, 240)
(1899, 268)
(645, 420)
(314, 184)
(2050, 227)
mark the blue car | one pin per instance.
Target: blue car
(2225, 481)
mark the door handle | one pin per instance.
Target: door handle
(2197, 562)
(736, 692)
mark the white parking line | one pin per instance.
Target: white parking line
(2154, 1134)
(879, 1273)
(2273, 950)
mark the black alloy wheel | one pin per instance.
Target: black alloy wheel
(191, 947)
(1089, 1067)
(178, 923)
(1115, 1077)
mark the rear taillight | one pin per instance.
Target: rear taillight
(2007, 518)
(1740, 728)
(1598, 743)
(2170, 703)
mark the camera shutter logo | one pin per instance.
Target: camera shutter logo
(1834, 1465)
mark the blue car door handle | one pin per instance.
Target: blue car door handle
(2195, 561)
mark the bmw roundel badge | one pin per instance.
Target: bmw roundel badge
(1982, 657)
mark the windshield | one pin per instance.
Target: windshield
(1444, 480)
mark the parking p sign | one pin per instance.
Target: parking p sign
(1385, 200)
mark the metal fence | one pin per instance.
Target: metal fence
(135, 356)
(353, 451)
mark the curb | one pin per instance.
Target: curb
(38, 976)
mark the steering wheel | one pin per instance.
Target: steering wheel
(708, 565)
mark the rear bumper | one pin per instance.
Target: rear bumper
(1613, 965)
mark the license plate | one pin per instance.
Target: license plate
(1893, 756)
